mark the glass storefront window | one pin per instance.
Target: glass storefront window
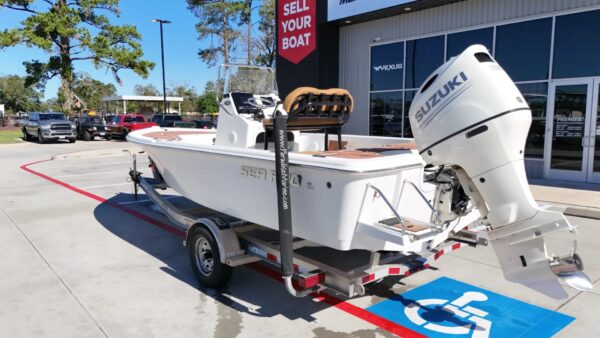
(523, 49)
(458, 42)
(536, 95)
(536, 54)
(576, 41)
(409, 95)
(387, 66)
(386, 114)
(423, 56)
(568, 130)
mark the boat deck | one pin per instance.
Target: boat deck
(174, 135)
(386, 149)
(359, 153)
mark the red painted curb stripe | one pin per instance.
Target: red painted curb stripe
(331, 300)
(65, 185)
(100, 199)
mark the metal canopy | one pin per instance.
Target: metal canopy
(141, 98)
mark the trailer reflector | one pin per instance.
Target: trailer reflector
(368, 278)
(311, 281)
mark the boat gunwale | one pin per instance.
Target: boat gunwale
(168, 144)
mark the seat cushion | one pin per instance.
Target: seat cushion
(288, 103)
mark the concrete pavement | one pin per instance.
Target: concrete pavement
(576, 199)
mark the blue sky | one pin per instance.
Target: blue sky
(181, 47)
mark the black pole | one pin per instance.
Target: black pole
(284, 206)
(162, 58)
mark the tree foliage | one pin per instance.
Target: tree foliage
(207, 102)
(51, 104)
(189, 95)
(70, 31)
(91, 91)
(16, 96)
(246, 18)
(218, 20)
(219, 30)
(146, 90)
(266, 43)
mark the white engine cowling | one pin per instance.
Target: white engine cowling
(470, 116)
(469, 113)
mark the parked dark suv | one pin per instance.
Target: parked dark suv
(48, 126)
(89, 127)
(171, 120)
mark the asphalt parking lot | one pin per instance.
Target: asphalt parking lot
(80, 257)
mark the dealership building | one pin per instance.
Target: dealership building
(383, 50)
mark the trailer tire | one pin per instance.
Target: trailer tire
(206, 259)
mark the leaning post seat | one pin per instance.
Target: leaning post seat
(310, 108)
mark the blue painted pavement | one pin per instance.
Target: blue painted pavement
(446, 307)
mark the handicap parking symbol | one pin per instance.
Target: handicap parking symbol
(446, 307)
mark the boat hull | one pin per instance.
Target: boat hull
(327, 205)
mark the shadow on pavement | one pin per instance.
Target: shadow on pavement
(248, 292)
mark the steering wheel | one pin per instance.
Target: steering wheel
(267, 102)
(253, 107)
(248, 107)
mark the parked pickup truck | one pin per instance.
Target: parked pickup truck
(121, 125)
(90, 126)
(171, 120)
(47, 127)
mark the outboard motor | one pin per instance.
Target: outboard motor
(470, 119)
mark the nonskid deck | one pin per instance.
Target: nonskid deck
(346, 153)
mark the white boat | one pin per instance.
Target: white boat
(463, 169)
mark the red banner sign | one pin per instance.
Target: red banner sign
(297, 29)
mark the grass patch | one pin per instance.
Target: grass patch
(10, 136)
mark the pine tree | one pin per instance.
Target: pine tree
(217, 19)
(72, 31)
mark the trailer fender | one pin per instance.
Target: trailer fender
(227, 240)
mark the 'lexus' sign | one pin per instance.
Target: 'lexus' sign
(297, 29)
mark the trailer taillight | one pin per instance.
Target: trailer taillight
(311, 281)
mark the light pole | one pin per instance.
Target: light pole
(162, 58)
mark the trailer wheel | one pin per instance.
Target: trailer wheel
(206, 260)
